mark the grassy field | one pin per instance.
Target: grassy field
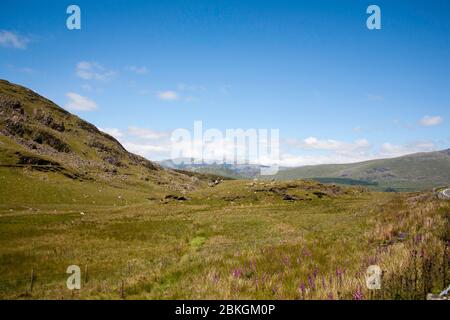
(236, 240)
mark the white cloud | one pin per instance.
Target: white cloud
(93, 71)
(147, 150)
(428, 121)
(79, 103)
(331, 144)
(137, 69)
(10, 39)
(392, 150)
(291, 160)
(147, 134)
(338, 155)
(168, 95)
(116, 133)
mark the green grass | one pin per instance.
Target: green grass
(237, 240)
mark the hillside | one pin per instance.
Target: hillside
(54, 155)
(413, 172)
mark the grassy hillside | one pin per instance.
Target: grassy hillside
(37, 136)
(414, 172)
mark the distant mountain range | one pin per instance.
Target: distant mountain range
(414, 172)
(240, 171)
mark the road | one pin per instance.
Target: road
(446, 193)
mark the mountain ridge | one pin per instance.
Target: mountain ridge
(38, 136)
(412, 172)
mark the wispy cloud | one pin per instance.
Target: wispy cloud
(149, 143)
(147, 134)
(429, 121)
(11, 39)
(168, 95)
(116, 133)
(93, 71)
(79, 103)
(137, 69)
(331, 144)
(392, 150)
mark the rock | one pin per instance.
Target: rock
(43, 137)
(288, 197)
(319, 194)
(48, 121)
(33, 160)
(431, 296)
(175, 197)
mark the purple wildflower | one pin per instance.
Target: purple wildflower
(357, 295)
(237, 273)
(316, 272)
(324, 282)
(311, 282)
(302, 289)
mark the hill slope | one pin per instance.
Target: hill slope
(407, 173)
(51, 148)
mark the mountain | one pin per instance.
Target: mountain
(51, 148)
(235, 171)
(412, 172)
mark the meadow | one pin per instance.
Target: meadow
(237, 240)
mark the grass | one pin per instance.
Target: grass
(237, 240)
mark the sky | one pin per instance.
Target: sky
(336, 91)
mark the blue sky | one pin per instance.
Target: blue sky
(337, 91)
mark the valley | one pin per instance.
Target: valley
(72, 195)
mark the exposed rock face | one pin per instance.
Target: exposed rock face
(44, 137)
(47, 120)
(47, 130)
(27, 159)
